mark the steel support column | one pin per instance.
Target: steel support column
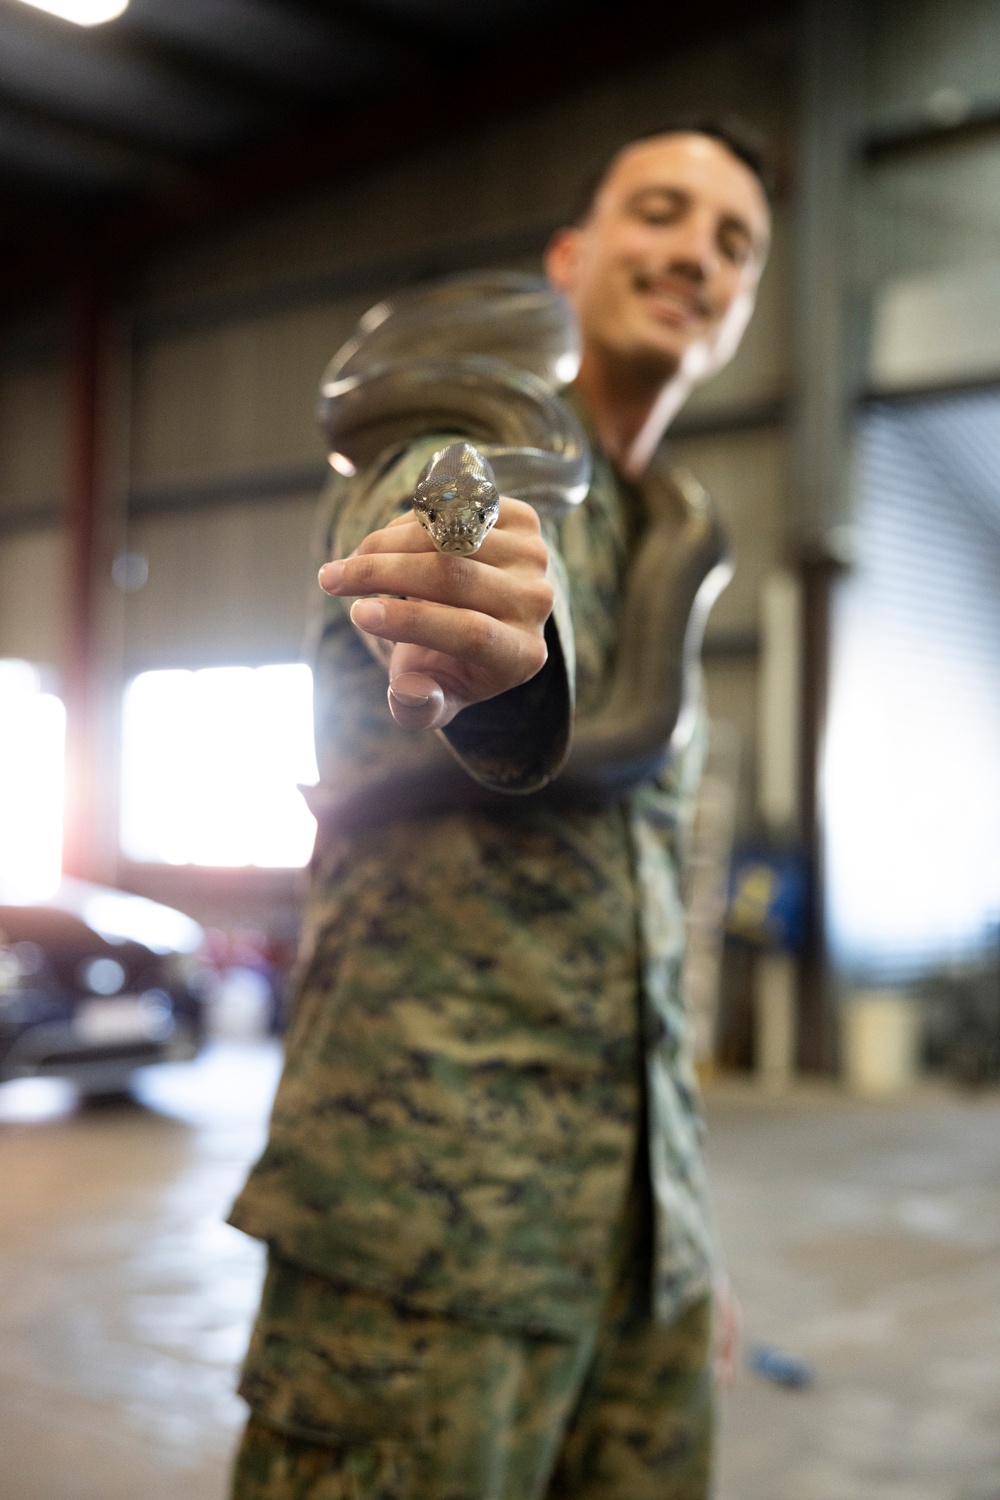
(827, 359)
(86, 547)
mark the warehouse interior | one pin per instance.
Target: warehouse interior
(198, 201)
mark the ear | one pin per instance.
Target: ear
(561, 259)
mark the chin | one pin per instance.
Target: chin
(657, 342)
(657, 361)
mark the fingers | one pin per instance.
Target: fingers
(727, 1334)
(464, 628)
(508, 549)
(499, 652)
(436, 577)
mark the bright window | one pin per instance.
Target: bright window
(32, 753)
(911, 785)
(211, 764)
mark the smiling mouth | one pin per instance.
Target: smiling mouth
(670, 302)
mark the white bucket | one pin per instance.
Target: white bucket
(881, 1043)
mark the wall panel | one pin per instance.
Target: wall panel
(33, 621)
(234, 398)
(928, 58)
(730, 686)
(32, 437)
(746, 474)
(227, 585)
(929, 212)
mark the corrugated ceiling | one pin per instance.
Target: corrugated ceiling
(109, 135)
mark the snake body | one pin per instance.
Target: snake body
(484, 357)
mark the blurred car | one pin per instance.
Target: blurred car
(95, 983)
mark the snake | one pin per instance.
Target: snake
(456, 499)
(485, 357)
(482, 355)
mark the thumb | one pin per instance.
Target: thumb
(416, 701)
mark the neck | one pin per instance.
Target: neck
(623, 400)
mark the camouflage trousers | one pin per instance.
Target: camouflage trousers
(356, 1398)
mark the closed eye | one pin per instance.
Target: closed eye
(735, 241)
(659, 205)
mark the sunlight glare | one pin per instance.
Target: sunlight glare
(913, 800)
(210, 765)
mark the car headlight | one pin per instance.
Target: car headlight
(102, 976)
(188, 971)
(18, 962)
(10, 970)
(159, 1014)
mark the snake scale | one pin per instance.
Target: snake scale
(484, 356)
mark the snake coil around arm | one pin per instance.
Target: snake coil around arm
(483, 357)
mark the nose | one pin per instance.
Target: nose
(693, 248)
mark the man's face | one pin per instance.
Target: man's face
(677, 237)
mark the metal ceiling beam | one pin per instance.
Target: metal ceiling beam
(248, 90)
(921, 135)
(409, 30)
(509, 79)
(418, 39)
(269, 105)
(121, 148)
(411, 118)
(231, 79)
(108, 153)
(128, 139)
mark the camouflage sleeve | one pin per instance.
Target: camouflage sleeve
(513, 743)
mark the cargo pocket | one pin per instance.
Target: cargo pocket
(333, 1365)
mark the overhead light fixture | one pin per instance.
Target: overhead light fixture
(81, 12)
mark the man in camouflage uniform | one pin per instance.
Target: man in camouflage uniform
(490, 1265)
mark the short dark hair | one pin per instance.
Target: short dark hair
(739, 138)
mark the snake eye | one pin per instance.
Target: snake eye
(432, 515)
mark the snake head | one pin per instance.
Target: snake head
(456, 499)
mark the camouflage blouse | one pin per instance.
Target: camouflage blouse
(487, 1006)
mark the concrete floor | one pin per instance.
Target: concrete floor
(124, 1299)
(863, 1238)
(866, 1239)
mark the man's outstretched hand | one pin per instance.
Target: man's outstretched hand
(464, 628)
